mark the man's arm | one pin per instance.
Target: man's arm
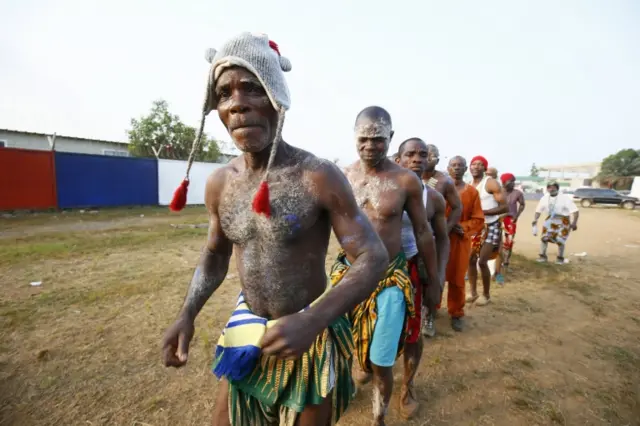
(359, 240)
(540, 208)
(494, 188)
(214, 261)
(210, 272)
(575, 214)
(417, 212)
(476, 221)
(453, 198)
(439, 226)
(521, 205)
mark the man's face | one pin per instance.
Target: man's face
(433, 159)
(510, 184)
(477, 169)
(457, 168)
(553, 190)
(373, 137)
(414, 156)
(245, 110)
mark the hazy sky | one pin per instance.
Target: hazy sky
(517, 81)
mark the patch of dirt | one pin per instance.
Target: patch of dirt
(559, 345)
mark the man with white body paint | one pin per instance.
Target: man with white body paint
(274, 207)
(384, 190)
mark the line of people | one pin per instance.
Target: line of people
(294, 344)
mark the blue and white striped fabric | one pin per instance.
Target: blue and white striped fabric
(238, 348)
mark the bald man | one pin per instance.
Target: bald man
(384, 190)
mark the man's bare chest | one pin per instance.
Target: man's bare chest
(379, 197)
(294, 209)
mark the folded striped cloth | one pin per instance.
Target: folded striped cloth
(238, 348)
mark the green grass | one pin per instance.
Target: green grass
(64, 245)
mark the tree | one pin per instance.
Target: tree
(162, 135)
(534, 170)
(620, 168)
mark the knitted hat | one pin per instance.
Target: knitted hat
(260, 56)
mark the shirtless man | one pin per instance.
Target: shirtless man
(516, 204)
(412, 155)
(279, 240)
(492, 172)
(434, 209)
(442, 183)
(486, 243)
(384, 191)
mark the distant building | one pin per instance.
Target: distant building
(41, 141)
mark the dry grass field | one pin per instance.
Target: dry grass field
(559, 345)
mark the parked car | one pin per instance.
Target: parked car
(587, 197)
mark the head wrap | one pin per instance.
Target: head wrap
(260, 56)
(506, 177)
(482, 159)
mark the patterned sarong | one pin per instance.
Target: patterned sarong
(491, 234)
(509, 225)
(277, 390)
(363, 316)
(555, 229)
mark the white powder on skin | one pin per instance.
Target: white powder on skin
(379, 128)
(277, 256)
(370, 190)
(379, 407)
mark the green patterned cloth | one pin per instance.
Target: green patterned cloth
(277, 390)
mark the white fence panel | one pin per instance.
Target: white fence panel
(171, 173)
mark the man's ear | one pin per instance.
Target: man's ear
(391, 135)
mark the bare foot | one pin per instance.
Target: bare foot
(408, 403)
(359, 376)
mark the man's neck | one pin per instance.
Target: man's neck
(477, 180)
(372, 168)
(257, 161)
(460, 183)
(429, 174)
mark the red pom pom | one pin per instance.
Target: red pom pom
(274, 46)
(179, 199)
(261, 200)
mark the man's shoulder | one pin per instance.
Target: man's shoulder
(435, 196)
(470, 190)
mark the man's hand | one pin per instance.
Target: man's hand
(457, 229)
(291, 336)
(574, 226)
(175, 345)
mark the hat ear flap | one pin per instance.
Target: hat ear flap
(210, 54)
(285, 64)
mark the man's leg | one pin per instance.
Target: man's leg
(221, 409)
(412, 355)
(485, 253)
(382, 389)
(473, 278)
(456, 295)
(544, 243)
(391, 310)
(560, 259)
(317, 415)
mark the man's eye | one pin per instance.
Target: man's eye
(254, 88)
(223, 92)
